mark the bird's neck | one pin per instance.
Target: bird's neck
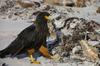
(42, 28)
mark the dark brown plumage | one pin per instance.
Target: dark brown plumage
(33, 37)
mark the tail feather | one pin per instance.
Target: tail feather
(3, 53)
(13, 49)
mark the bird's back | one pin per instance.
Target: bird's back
(23, 40)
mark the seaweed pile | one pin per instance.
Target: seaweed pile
(80, 40)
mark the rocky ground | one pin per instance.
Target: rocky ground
(77, 29)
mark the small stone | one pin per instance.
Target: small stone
(98, 10)
(76, 49)
(4, 64)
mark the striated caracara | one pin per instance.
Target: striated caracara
(31, 39)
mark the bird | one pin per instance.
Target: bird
(31, 39)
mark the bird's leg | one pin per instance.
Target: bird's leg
(30, 52)
(45, 52)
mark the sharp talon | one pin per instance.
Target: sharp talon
(32, 60)
(36, 62)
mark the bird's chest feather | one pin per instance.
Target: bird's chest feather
(41, 36)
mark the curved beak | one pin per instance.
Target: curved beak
(47, 17)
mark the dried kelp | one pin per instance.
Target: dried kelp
(76, 32)
(89, 51)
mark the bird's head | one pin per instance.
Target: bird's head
(43, 17)
(42, 22)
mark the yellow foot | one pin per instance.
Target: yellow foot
(35, 62)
